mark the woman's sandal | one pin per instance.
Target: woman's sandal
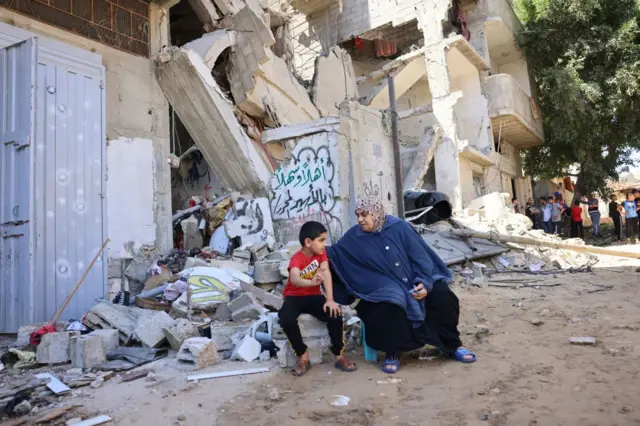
(462, 355)
(345, 365)
(389, 362)
(301, 368)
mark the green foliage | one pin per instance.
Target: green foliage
(585, 59)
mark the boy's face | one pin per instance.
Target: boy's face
(614, 198)
(631, 196)
(318, 245)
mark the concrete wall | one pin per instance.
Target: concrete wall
(359, 16)
(137, 133)
(519, 71)
(327, 172)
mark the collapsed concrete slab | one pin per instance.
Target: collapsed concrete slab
(149, 330)
(180, 331)
(209, 118)
(425, 152)
(199, 351)
(334, 81)
(211, 45)
(261, 83)
(404, 78)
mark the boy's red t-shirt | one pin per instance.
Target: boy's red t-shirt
(308, 267)
(576, 214)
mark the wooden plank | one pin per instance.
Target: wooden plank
(228, 373)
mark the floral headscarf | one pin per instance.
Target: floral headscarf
(374, 207)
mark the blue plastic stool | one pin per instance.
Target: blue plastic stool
(370, 354)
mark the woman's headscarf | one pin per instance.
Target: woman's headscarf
(374, 207)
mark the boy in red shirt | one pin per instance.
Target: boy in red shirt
(577, 228)
(308, 269)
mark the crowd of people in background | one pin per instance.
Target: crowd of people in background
(553, 215)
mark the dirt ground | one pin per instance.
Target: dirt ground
(527, 371)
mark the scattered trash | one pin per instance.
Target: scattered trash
(54, 384)
(339, 401)
(389, 381)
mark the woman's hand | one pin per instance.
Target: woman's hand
(419, 292)
(332, 308)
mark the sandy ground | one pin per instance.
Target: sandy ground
(526, 374)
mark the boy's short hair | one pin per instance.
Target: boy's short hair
(549, 197)
(612, 195)
(576, 203)
(311, 230)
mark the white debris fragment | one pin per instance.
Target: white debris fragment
(582, 340)
(339, 400)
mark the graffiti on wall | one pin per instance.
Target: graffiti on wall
(252, 223)
(307, 186)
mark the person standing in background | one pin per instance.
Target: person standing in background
(594, 213)
(532, 213)
(556, 216)
(577, 229)
(547, 208)
(636, 194)
(614, 214)
(630, 211)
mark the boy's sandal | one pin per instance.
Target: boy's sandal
(464, 355)
(345, 365)
(301, 368)
(388, 363)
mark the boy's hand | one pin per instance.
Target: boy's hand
(317, 278)
(332, 308)
(419, 292)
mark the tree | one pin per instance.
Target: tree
(585, 60)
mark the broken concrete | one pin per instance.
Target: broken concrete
(206, 13)
(110, 339)
(107, 316)
(269, 299)
(425, 152)
(247, 350)
(230, 264)
(190, 88)
(316, 349)
(222, 334)
(54, 348)
(149, 330)
(87, 351)
(192, 234)
(199, 351)
(179, 332)
(211, 45)
(245, 307)
(223, 313)
(334, 81)
(267, 271)
(412, 67)
(253, 224)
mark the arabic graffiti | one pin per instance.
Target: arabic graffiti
(370, 189)
(306, 184)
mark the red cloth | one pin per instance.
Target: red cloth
(308, 267)
(576, 214)
(357, 41)
(385, 47)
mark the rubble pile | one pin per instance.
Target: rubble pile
(493, 213)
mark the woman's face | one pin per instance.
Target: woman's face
(365, 220)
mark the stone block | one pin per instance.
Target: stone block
(310, 327)
(240, 266)
(178, 332)
(241, 256)
(260, 250)
(54, 348)
(222, 334)
(267, 271)
(223, 313)
(245, 307)
(149, 330)
(110, 338)
(199, 351)
(317, 347)
(87, 351)
(247, 350)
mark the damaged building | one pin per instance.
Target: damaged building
(118, 114)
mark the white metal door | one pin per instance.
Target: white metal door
(17, 109)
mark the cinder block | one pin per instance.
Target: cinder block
(222, 334)
(87, 351)
(199, 351)
(109, 337)
(180, 331)
(149, 329)
(54, 348)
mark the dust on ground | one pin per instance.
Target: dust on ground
(527, 371)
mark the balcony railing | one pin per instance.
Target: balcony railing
(514, 115)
